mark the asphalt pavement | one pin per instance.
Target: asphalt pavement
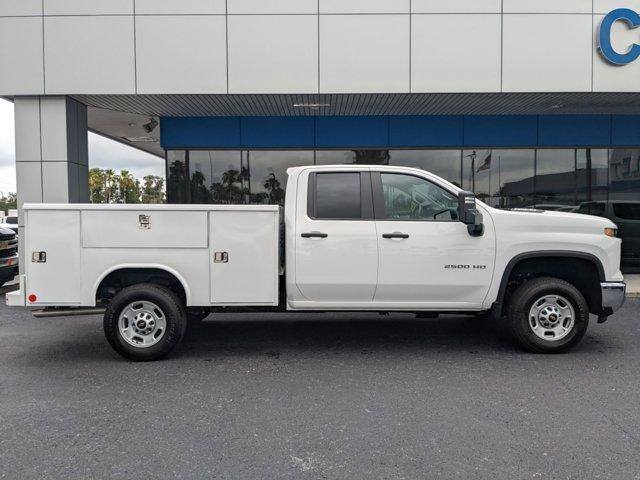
(331, 396)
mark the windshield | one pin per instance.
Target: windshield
(12, 220)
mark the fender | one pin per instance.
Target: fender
(496, 308)
(156, 266)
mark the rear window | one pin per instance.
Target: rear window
(627, 211)
(338, 196)
(12, 220)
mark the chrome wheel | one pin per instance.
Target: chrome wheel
(551, 317)
(142, 324)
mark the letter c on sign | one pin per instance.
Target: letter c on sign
(632, 19)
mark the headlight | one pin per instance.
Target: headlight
(611, 232)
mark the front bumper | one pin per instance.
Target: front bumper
(9, 262)
(612, 296)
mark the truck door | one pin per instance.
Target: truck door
(336, 250)
(427, 257)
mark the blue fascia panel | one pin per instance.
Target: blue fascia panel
(432, 131)
(278, 132)
(625, 130)
(354, 132)
(200, 132)
(574, 130)
(500, 130)
(401, 131)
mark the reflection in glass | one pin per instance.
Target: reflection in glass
(216, 177)
(624, 174)
(361, 157)
(177, 185)
(556, 179)
(591, 174)
(444, 163)
(500, 178)
(268, 173)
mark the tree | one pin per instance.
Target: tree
(109, 185)
(153, 189)
(128, 187)
(8, 202)
(105, 186)
(97, 186)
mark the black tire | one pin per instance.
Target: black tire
(171, 307)
(522, 301)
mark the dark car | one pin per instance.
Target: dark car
(8, 255)
(625, 214)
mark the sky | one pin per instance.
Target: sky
(103, 153)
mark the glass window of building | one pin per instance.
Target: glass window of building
(177, 185)
(556, 179)
(338, 196)
(591, 174)
(268, 173)
(500, 178)
(412, 198)
(624, 174)
(444, 163)
(362, 157)
(217, 176)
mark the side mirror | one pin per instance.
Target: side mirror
(467, 210)
(469, 215)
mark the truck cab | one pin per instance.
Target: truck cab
(350, 238)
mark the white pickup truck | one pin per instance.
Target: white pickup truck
(352, 238)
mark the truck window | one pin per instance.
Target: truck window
(407, 197)
(338, 196)
(627, 211)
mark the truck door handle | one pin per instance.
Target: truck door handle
(395, 235)
(314, 235)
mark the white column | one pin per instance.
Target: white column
(51, 153)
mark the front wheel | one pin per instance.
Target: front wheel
(144, 322)
(547, 315)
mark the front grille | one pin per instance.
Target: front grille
(10, 252)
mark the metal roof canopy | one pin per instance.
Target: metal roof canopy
(121, 117)
(369, 104)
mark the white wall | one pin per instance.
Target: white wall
(308, 46)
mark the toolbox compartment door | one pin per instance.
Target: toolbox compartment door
(244, 257)
(54, 236)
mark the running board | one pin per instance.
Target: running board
(67, 312)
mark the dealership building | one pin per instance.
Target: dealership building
(525, 102)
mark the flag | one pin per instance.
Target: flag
(486, 165)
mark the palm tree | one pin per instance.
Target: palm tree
(109, 181)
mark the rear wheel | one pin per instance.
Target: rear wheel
(145, 322)
(547, 315)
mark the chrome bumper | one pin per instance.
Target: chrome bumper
(612, 296)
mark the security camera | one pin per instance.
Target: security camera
(151, 126)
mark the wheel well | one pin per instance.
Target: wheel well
(582, 273)
(125, 277)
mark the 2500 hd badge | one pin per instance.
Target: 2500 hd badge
(465, 267)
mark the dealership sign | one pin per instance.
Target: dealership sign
(632, 19)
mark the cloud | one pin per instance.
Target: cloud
(103, 153)
(106, 153)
